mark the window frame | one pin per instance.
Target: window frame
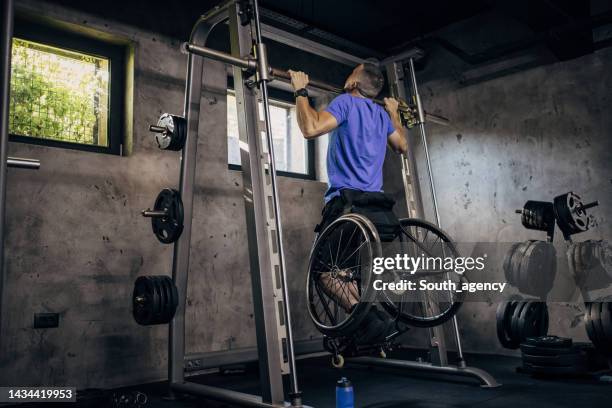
(284, 98)
(47, 35)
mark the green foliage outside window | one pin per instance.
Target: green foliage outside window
(58, 94)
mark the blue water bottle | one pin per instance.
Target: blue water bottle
(344, 394)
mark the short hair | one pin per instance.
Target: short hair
(371, 80)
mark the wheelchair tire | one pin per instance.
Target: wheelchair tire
(329, 256)
(397, 309)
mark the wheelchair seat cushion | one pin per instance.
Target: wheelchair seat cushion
(377, 207)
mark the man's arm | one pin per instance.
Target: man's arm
(397, 140)
(311, 123)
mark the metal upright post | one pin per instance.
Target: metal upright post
(414, 203)
(5, 89)
(421, 118)
(272, 318)
(180, 263)
(263, 86)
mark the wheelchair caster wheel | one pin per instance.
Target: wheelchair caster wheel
(338, 361)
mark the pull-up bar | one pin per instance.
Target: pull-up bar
(407, 111)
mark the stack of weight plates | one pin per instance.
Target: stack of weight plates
(555, 356)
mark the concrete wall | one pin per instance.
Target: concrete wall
(76, 241)
(531, 135)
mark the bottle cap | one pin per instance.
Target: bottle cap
(344, 383)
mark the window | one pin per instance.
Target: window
(293, 154)
(63, 90)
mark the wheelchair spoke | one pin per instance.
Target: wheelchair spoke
(352, 253)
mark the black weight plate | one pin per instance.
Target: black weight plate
(166, 296)
(515, 263)
(178, 138)
(554, 371)
(588, 323)
(576, 358)
(521, 254)
(548, 342)
(529, 267)
(168, 229)
(599, 325)
(532, 320)
(159, 285)
(606, 323)
(159, 300)
(143, 312)
(547, 351)
(171, 297)
(578, 276)
(174, 297)
(538, 269)
(595, 316)
(507, 264)
(514, 334)
(503, 318)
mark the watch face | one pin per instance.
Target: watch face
(163, 139)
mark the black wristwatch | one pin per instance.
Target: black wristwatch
(301, 92)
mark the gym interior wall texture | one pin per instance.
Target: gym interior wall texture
(531, 135)
(76, 240)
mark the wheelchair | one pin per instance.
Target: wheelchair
(350, 237)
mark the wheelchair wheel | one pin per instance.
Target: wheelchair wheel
(340, 270)
(418, 308)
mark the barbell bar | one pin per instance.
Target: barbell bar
(408, 112)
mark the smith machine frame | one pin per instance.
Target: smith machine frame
(274, 339)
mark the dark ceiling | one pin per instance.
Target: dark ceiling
(387, 26)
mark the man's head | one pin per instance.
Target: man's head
(365, 78)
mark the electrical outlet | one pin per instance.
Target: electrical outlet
(46, 320)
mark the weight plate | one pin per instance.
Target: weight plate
(515, 334)
(503, 320)
(159, 302)
(173, 138)
(548, 342)
(573, 260)
(575, 358)
(550, 351)
(606, 323)
(589, 323)
(168, 229)
(171, 297)
(507, 263)
(538, 269)
(598, 326)
(144, 301)
(571, 217)
(551, 370)
(533, 320)
(515, 262)
(174, 297)
(163, 308)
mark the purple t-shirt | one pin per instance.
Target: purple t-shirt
(357, 146)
